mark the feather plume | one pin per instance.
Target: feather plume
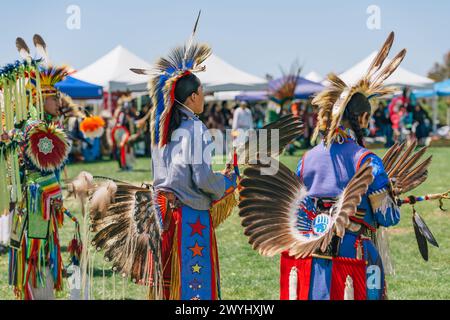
(424, 230)
(421, 241)
(81, 185)
(41, 48)
(378, 61)
(103, 197)
(325, 101)
(388, 70)
(191, 39)
(23, 49)
(284, 91)
(168, 71)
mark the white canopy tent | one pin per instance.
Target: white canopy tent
(112, 71)
(219, 76)
(401, 77)
(314, 77)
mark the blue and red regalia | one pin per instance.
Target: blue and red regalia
(326, 172)
(192, 199)
(327, 220)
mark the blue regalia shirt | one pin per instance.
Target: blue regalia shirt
(183, 165)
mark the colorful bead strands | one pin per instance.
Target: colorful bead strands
(4, 195)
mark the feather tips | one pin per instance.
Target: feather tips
(288, 128)
(400, 163)
(41, 48)
(23, 49)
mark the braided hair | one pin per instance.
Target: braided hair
(184, 87)
(358, 105)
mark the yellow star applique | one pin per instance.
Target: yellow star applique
(196, 268)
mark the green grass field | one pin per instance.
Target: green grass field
(246, 275)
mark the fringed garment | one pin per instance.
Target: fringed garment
(35, 263)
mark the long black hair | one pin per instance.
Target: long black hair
(357, 105)
(184, 88)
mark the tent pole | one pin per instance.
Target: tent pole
(448, 116)
(435, 113)
(109, 99)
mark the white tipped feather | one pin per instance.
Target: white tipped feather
(23, 49)
(41, 48)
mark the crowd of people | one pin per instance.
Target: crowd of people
(401, 118)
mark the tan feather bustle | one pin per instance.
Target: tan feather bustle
(127, 227)
(269, 204)
(333, 100)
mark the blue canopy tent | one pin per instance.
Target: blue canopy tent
(440, 89)
(78, 89)
(443, 88)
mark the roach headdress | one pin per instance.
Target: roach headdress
(333, 100)
(181, 62)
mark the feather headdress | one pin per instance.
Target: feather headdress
(181, 62)
(333, 100)
(283, 91)
(47, 75)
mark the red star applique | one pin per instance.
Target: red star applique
(196, 250)
(197, 227)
